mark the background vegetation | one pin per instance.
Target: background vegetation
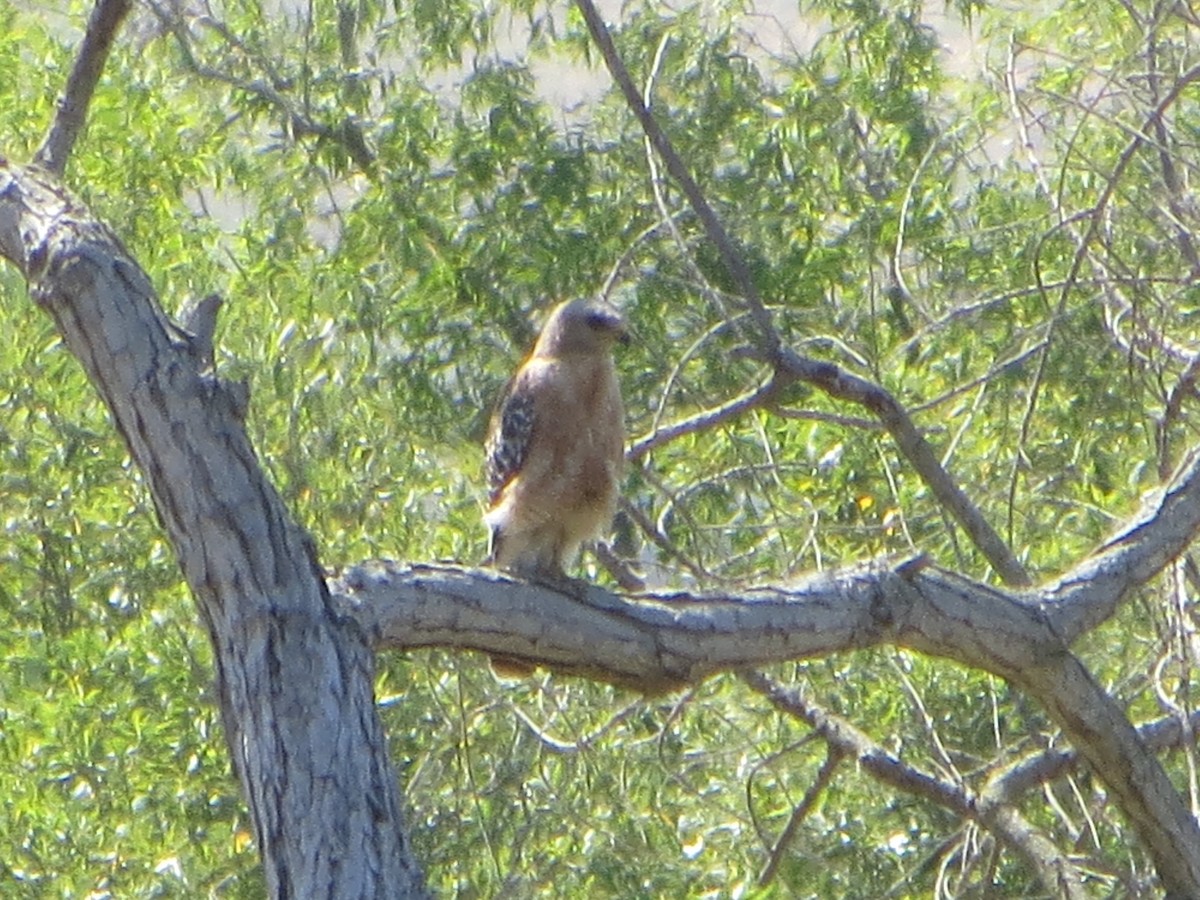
(953, 203)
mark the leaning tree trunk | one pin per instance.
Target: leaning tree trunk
(295, 680)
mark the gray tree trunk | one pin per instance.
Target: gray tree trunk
(295, 679)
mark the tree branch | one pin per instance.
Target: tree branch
(702, 421)
(766, 338)
(1097, 726)
(1058, 876)
(655, 643)
(1167, 523)
(658, 642)
(833, 759)
(786, 363)
(71, 112)
(1042, 768)
(839, 383)
(270, 90)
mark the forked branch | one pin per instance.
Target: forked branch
(1058, 876)
(788, 365)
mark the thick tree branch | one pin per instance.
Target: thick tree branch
(655, 643)
(73, 105)
(1099, 729)
(660, 641)
(295, 681)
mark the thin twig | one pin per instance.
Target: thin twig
(664, 543)
(1002, 368)
(1175, 191)
(702, 421)
(833, 759)
(587, 741)
(347, 134)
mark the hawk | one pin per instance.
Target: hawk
(556, 445)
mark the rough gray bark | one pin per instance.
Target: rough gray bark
(658, 641)
(295, 679)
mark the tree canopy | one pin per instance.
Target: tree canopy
(983, 215)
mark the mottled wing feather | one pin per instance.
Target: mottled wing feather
(508, 439)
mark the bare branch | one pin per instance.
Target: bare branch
(841, 384)
(702, 421)
(786, 363)
(1058, 876)
(1167, 523)
(997, 370)
(1177, 199)
(71, 112)
(655, 643)
(1041, 768)
(659, 642)
(1183, 388)
(1098, 727)
(664, 543)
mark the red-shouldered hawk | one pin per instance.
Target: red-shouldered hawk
(556, 445)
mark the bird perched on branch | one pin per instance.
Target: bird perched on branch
(556, 445)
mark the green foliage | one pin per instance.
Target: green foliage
(384, 196)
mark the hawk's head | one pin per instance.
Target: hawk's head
(581, 326)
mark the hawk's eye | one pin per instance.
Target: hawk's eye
(601, 320)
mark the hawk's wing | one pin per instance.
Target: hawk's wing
(509, 435)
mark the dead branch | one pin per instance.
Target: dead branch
(765, 337)
(1041, 768)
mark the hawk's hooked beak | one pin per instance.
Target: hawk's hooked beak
(608, 319)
